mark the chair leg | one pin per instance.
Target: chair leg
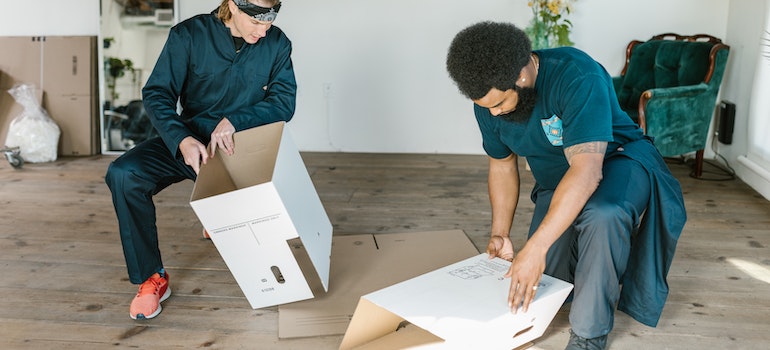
(698, 171)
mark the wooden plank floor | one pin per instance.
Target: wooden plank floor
(64, 282)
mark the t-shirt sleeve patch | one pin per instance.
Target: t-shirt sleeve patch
(552, 127)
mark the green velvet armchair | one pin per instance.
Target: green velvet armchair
(669, 86)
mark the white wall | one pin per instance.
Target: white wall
(49, 17)
(189, 8)
(372, 77)
(746, 26)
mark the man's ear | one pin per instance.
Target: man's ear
(232, 6)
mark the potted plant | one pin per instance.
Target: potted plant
(116, 68)
(549, 26)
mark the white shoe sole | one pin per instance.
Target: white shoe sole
(157, 311)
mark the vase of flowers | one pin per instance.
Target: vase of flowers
(549, 27)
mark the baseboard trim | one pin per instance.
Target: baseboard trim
(755, 176)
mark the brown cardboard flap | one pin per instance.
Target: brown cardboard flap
(369, 322)
(307, 267)
(256, 151)
(406, 337)
(214, 181)
(252, 162)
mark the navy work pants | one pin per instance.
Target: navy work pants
(134, 178)
(593, 252)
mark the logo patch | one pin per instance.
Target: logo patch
(553, 130)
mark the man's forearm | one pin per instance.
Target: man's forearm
(503, 193)
(569, 198)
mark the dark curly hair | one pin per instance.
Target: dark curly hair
(487, 55)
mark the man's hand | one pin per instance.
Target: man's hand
(525, 273)
(501, 247)
(193, 152)
(222, 137)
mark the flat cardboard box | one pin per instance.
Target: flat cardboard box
(73, 114)
(71, 92)
(265, 218)
(20, 62)
(63, 70)
(460, 306)
(364, 263)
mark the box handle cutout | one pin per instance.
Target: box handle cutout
(525, 330)
(278, 275)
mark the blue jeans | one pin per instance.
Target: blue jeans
(134, 178)
(593, 252)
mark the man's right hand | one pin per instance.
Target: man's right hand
(193, 152)
(500, 246)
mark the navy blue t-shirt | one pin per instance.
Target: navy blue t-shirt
(576, 103)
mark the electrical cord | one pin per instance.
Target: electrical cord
(721, 172)
(712, 171)
(724, 172)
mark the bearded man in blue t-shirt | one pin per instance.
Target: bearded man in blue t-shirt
(607, 210)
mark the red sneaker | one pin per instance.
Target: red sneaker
(152, 292)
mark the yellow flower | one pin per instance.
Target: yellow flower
(553, 6)
(549, 26)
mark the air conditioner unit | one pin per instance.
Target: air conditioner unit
(164, 17)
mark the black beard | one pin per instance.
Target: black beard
(524, 107)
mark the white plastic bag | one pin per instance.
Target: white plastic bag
(33, 131)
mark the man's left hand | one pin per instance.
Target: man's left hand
(222, 137)
(525, 273)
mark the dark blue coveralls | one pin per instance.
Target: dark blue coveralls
(200, 68)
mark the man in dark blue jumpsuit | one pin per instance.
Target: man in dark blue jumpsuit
(229, 70)
(607, 210)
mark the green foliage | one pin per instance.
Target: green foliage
(116, 68)
(548, 28)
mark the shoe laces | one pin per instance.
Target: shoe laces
(576, 341)
(151, 285)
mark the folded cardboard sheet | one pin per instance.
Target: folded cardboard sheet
(363, 263)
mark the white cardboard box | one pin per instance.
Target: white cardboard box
(460, 306)
(264, 216)
(364, 263)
